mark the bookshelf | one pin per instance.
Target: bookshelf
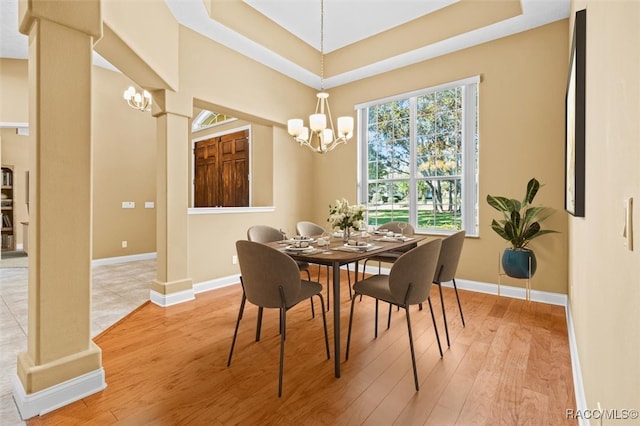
(7, 205)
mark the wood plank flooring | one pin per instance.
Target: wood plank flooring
(165, 366)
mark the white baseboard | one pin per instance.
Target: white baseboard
(46, 400)
(123, 259)
(165, 300)
(509, 291)
(578, 384)
(216, 283)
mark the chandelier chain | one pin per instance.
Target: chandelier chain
(321, 45)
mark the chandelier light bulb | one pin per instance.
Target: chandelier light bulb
(136, 100)
(317, 122)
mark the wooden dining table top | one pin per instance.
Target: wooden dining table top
(336, 253)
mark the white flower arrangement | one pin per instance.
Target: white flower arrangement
(344, 216)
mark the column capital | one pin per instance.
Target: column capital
(84, 16)
(169, 102)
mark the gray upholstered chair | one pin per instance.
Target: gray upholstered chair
(268, 234)
(309, 229)
(446, 271)
(408, 283)
(271, 279)
(390, 256)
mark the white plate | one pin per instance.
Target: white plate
(302, 239)
(294, 248)
(358, 246)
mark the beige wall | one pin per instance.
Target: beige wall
(124, 155)
(124, 169)
(604, 291)
(14, 107)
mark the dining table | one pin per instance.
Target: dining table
(337, 253)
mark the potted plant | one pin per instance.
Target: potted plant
(519, 225)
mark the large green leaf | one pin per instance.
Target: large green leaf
(501, 204)
(499, 229)
(510, 231)
(532, 189)
(531, 231)
(531, 214)
(515, 220)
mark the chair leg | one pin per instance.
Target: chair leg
(324, 323)
(458, 298)
(328, 290)
(413, 354)
(435, 327)
(283, 328)
(259, 324)
(313, 311)
(375, 333)
(349, 332)
(364, 268)
(389, 318)
(235, 333)
(444, 315)
(349, 279)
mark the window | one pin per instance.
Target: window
(419, 154)
(221, 170)
(207, 119)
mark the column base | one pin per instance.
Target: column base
(54, 397)
(171, 293)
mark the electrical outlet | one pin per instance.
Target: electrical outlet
(234, 259)
(124, 244)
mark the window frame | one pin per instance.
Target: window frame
(470, 159)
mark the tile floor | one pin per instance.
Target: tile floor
(117, 290)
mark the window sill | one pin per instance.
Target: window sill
(230, 210)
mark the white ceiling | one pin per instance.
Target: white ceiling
(345, 22)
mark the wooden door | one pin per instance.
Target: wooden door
(206, 174)
(222, 171)
(234, 165)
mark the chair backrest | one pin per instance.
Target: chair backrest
(308, 229)
(449, 257)
(393, 227)
(264, 269)
(416, 268)
(264, 234)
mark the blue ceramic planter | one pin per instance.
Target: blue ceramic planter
(516, 262)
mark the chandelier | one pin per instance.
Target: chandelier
(320, 136)
(141, 102)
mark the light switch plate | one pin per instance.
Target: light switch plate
(128, 205)
(149, 205)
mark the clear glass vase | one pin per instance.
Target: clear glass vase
(346, 234)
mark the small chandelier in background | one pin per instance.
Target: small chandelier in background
(141, 102)
(321, 136)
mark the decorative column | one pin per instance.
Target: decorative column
(61, 363)
(172, 284)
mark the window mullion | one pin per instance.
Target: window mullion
(413, 186)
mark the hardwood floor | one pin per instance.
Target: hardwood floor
(509, 365)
